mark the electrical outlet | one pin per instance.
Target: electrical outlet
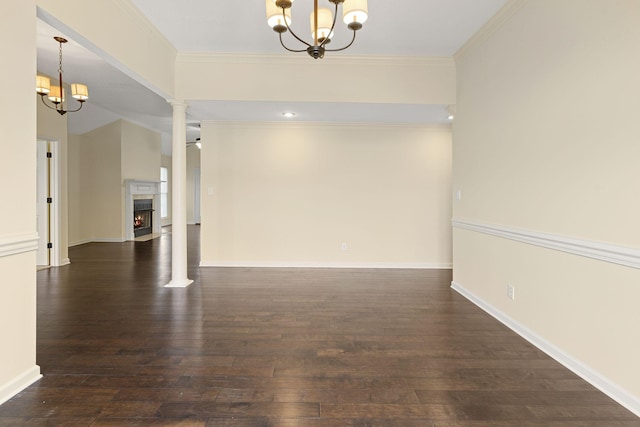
(343, 246)
(459, 195)
(511, 292)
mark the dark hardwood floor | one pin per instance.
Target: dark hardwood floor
(250, 347)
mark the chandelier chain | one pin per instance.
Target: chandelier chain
(60, 60)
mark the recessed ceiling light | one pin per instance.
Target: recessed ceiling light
(451, 109)
(289, 115)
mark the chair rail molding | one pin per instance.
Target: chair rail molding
(18, 243)
(608, 252)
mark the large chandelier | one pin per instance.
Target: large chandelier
(354, 13)
(55, 94)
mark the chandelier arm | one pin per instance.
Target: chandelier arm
(327, 39)
(290, 50)
(42, 95)
(58, 105)
(77, 109)
(292, 33)
(346, 47)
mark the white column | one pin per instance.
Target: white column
(179, 277)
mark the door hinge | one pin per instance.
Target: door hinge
(49, 245)
(49, 154)
(49, 200)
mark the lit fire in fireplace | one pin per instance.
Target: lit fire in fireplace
(142, 217)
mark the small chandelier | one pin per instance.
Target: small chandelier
(55, 94)
(323, 21)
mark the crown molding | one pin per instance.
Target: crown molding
(308, 124)
(504, 15)
(289, 59)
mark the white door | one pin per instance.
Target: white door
(42, 206)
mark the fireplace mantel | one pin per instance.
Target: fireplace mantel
(133, 189)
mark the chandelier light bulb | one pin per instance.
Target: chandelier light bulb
(355, 12)
(55, 96)
(43, 85)
(325, 21)
(79, 92)
(274, 15)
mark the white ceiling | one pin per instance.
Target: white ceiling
(426, 28)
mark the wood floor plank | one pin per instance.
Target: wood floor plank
(250, 347)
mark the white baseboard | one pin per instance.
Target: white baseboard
(258, 264)
(617, 393)
(80, 242)
(62, 263)
(15, 386)
(109, 240)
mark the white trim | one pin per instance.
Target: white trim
(80, 242)
(108, 240)
(433, 127)
(64, 262)
(262, 264)
(183, 283)
(19, 383)
(18, 243)
(617, 393)
(56, 194)
(287, 59)
(607, 252)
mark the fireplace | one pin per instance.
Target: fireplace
(142, 217)
(141, 212)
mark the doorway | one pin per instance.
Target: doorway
(43, 203)
(47, 204)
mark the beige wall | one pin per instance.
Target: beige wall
(79, 225)
(546, 140)
(140, 153)
(292, 194)
(140, 159)
(193, 167)
(166, 162)
(255, 77)
(100, 162)
(101, 167)
(18, 216)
